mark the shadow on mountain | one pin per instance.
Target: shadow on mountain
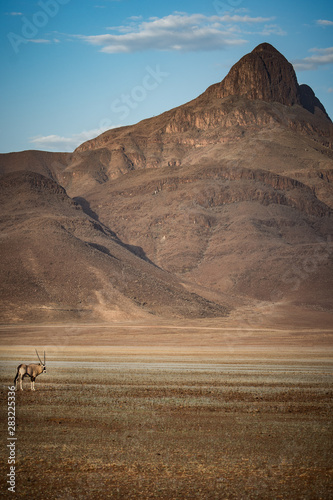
(85, 205)
(139, 252)
(102, 249)
(136, 250)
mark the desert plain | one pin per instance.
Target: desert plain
(205, 409)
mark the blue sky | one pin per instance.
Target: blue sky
(74, 68)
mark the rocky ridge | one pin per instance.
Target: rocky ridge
(230, 194)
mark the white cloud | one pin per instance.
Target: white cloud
(178, 31)
(60, 143)
(241, 10)
(135, 18)
(324, 22)
(14, 14)
(38, 40)
(272, 29)
(321, 57)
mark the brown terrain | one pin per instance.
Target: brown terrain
(221, 203)
(178, 274)
(180, 410)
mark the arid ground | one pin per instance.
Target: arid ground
(171, 411)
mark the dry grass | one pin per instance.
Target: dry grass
(174, 421)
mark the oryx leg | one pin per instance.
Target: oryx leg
(15, 381)
(33, 383)
(18, 378)
(21, 377)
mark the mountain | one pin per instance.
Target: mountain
(228, 196)
(265, 74)
(60, 264)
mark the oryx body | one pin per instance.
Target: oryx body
(32, 371)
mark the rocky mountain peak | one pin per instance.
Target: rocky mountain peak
(263, 74)
(266, 47)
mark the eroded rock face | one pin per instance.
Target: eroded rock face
(260, 91)
(309, 101)
(265, 74)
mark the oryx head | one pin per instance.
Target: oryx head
(40, 361)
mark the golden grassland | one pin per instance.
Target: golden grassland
(191, 412)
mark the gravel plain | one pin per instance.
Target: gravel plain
(173, 421)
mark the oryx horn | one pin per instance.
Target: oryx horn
(39, 357)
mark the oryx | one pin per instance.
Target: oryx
(32, 371)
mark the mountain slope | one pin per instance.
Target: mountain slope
(231, 194)
(232, 191)
(260, 94)
(57, 263)
(232, 230)
(40, 162)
